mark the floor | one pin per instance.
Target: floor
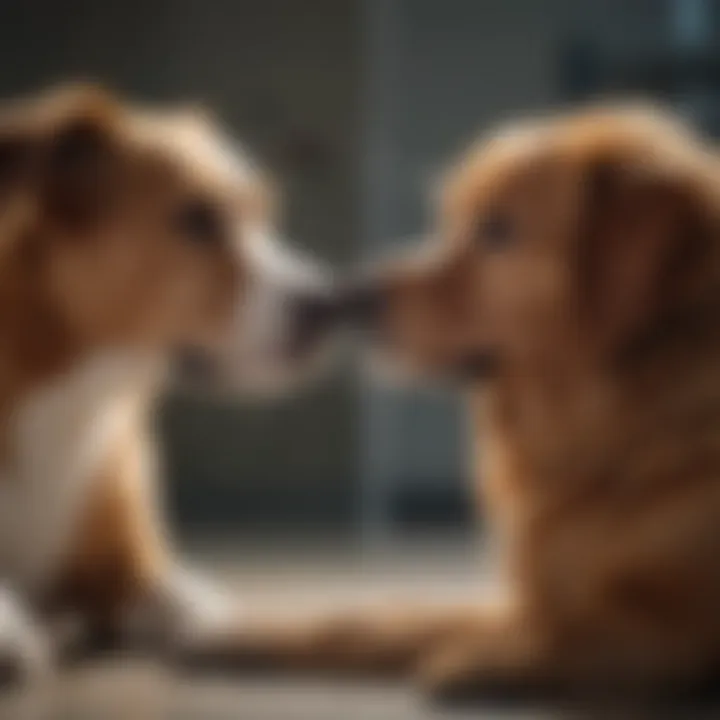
(309, 574)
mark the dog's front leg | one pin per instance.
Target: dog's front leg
(376, 642)
(501, 652)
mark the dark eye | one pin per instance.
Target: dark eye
(496, 231)
(199, 222)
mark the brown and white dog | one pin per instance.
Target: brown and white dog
(129, 237)
(576, 297)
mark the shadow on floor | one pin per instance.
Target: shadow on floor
(304, 573)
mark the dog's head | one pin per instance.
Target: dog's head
(149, 231)
(573, 237)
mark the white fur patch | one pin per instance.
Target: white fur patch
(277, 276)
(199, 148)
(24, 647)
(275, 263)
(58, 438)
(183, 610)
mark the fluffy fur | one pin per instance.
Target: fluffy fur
(576, 297)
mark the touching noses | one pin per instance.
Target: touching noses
(352, 304)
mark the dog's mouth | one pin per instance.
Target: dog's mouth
(364, 308)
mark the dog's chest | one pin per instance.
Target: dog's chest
(59, 437)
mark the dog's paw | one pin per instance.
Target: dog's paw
(197, 610)
(25, 649)
(182, 612)
(463, 671)
(235, 650)
(447, 672)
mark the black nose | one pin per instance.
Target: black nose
(315, 311)
(362, 304)
(318, 313)
(315, 315)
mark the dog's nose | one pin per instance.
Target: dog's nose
(319, 312)
(362, 304)
(314, 316)
(315, 311)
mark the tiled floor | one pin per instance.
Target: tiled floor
(282, 577)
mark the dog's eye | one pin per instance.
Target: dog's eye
(199, 221)
(496, 231)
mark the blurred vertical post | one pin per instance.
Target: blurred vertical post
(382, 29)
(691, 24)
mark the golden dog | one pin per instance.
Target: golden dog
(576, 295)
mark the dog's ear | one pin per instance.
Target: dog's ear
(18, 147)
(61, 148)
(644, 231)
(79, 162)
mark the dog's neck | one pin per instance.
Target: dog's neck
(39, 351)
(575, 427)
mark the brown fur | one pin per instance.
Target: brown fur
(91, 256)
(598, 435)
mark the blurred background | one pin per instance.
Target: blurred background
(354, 105)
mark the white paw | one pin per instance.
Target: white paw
(200, 609)
(184, 611)
(25, 652)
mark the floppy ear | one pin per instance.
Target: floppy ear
(642, 237)
(59, 146)
(17, 150)
(14, 157)
(79, 157)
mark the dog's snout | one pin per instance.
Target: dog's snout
(320, 312)
(315, 311)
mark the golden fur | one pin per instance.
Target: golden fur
(580, 261)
